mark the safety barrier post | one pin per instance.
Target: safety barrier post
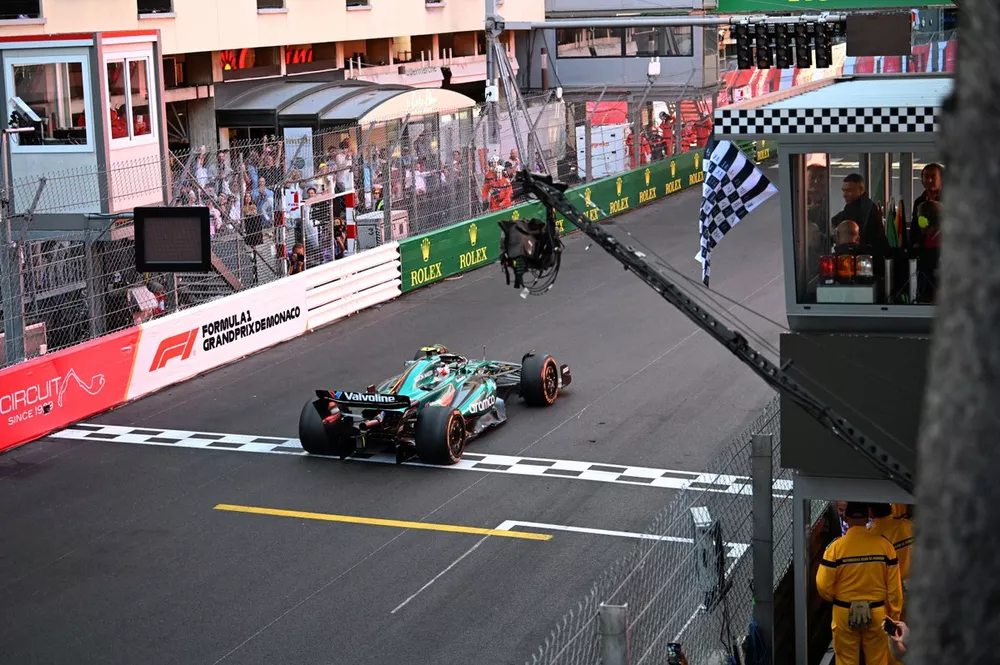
(613, 620)
(762, 546)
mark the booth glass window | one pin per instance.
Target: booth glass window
(589, 43)
(866, 228)
(53, 98)
(667, 42)
(130, 99)
(711, 42)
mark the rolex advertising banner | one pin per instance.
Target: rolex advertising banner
(434, 256)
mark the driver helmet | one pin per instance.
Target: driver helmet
(442, 370)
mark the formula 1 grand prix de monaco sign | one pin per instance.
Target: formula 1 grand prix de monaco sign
(778, 6)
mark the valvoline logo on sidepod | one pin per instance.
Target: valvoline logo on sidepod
(217, 334)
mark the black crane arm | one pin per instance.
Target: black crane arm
(551, 195)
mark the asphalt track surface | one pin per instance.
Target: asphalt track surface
(117, 553)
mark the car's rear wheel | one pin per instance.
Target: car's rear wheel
(440, 435)
(540, 380)
(318, 438)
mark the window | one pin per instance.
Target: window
(357, 3)
(155, 7)
(270, 4)
(673, 41)
(589, 43)
(862, 235)
(712, 45)
(11, 10)
(52, 97)
(131, 113)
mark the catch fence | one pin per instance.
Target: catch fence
(668, 599)
(335, 192)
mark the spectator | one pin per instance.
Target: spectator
(514, 159)
(297, 262)
(345, 166)
(251, 223)
(516, 188)
(339, 239)
(655, 141)
(263, 198)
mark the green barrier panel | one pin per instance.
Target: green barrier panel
(433, 256)
(762, 152)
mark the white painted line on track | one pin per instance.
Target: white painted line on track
(733, 550)
(441, 574)
(639, 476)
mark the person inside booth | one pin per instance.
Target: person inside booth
(859, 207)
(926, 248)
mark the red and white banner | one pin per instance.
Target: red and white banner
(194, 341)
(48, 393)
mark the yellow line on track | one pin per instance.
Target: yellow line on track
(373, 521)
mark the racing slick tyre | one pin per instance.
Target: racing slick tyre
(318, 438)
(440, 435)
(539, 380)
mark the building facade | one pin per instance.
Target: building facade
(419, 43)
(661, 81)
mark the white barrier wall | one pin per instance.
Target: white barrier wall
(194, 341)
(191, 342)
(352, 284)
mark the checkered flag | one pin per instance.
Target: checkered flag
(733, 188)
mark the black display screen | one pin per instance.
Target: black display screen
(172, 240)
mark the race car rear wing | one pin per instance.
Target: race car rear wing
(378, 400)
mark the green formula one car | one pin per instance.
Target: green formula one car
(439, 403)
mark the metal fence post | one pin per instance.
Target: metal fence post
(613, 620)
(800, 545)
(763, 536)
(588, 153)
(11, 276)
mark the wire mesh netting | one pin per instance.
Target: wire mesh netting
(661, 585)
(272, 200)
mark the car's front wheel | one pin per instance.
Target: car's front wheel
(440, 435)
(318, 438)
(539, 380)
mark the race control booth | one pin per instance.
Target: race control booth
(860, 170)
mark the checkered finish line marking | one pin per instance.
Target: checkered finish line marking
(888, 120)
(484, 462)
